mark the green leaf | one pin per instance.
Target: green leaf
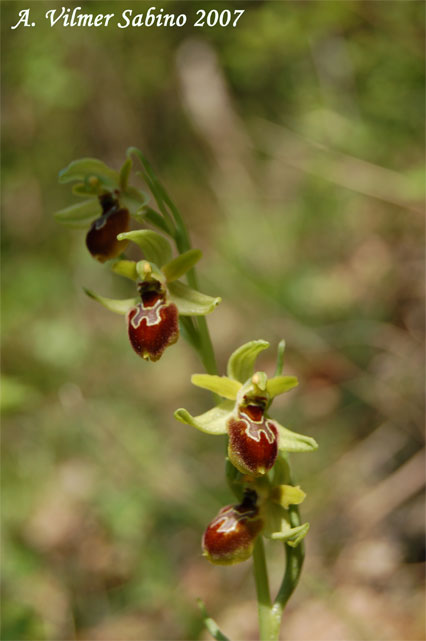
(117, 306)
(126, 268)
(85, 169)
(181, 264)
(155, 247)
(220, 385)
(125, 173)
(241, 362)
(211, 624)
(79, 215)
(293, 442)
(280, 384)
(190, 302)
(211, 422)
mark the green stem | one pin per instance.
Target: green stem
(294, 563)
(264, 603)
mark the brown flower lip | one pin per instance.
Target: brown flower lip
(153, 323)
(253, 441)
(101, 239)
(230, 537)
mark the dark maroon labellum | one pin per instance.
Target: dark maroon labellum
(230, 536)
(253, 441)
(153, 325)
(101, 239)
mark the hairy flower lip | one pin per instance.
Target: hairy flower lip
(230, 536)
(152, 325)
(253, 441)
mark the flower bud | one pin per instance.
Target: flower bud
(231, 535)
(101, 239)
(253, 440)
(153, 323)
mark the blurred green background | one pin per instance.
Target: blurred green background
(293, 144)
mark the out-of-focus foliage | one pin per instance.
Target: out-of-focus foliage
(294, 146)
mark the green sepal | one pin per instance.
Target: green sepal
(181, 264)
(125, 173)
(241, 362)
(287, 495)
(293, 442)
(79, 215)
(221, 385)
(114, 305)
(155, 247)
(84, 169)
(280, 384)
(190, 302)
(126, 268)
(211, 422)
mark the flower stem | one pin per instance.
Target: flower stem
(264, 604)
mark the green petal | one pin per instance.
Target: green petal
(241, 362)
(79, 215)
(281, 384)
(211, 422)
(293, 442)
(287, 495)
(117, 306)
(87, 168)
(155, 247)
(180, 265)
(221, 385)
(190, 302)
(126, 268)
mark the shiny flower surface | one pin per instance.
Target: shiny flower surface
(153, 323)
(230, 537)
(101, 239)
